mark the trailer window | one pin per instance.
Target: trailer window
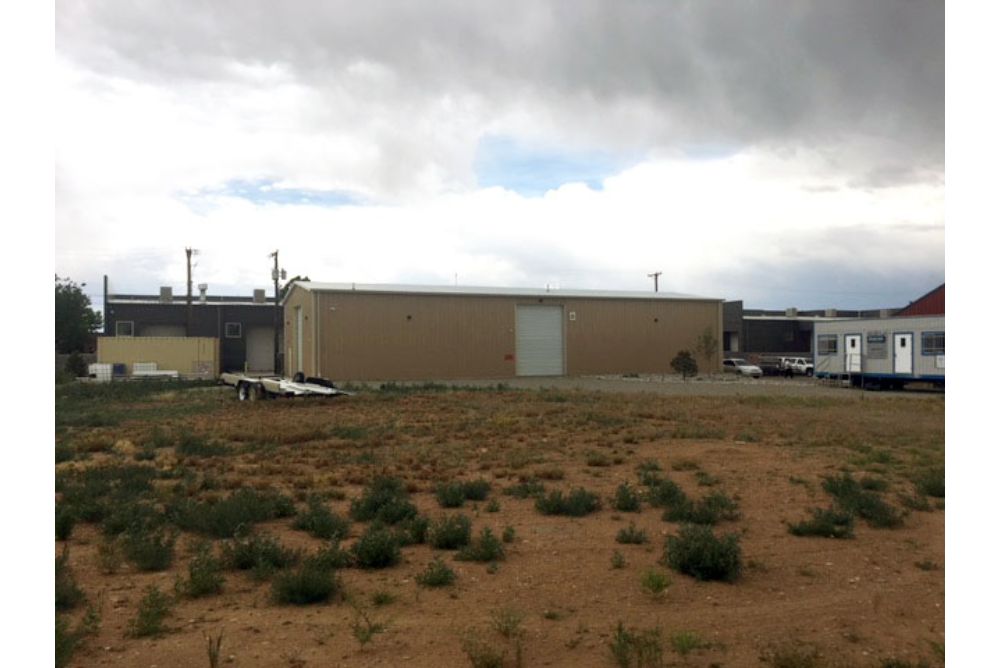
(826, 344)
(932, 343)
(234, 330)
(124, 328)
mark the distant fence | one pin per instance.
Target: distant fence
(192, 357)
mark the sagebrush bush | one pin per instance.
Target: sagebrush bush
(450, 532)
(476, 490)
(378, 547)
(852, 498)
(437, 574)
(486, 547)
(261, 553)
(696, 551)
(330, 558)
(526, 489)
(240, 510)
(631, 535)
(578, 503)
(321, 522)
(68, 594)
(385, 500)
(413, 530)
(655, 582)
(626, 499)
(66, 641)
(663, 492)
(65, 521)
(450, 495)
(132, 516)
(153, 609)
(305, 585)
(708, 510)
(149, 549)
(204, 574)
(826, 523)
(931, 482)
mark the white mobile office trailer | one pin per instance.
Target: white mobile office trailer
(882, 352)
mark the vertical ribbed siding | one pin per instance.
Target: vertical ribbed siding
(377, 336)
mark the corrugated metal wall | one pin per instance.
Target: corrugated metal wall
(196, 357)
(379, 336)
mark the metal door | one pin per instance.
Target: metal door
(260, 349)
(902, 353)
(539, 341)
(852, 353)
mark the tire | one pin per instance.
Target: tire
(809, 373)
(257, 392)
(242, 392)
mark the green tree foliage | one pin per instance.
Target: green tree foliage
(684, 364)
(76, 321)
(707, 345)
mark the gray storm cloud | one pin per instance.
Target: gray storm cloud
(863, 81)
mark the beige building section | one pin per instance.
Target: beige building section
(349, 335)
(192, 357)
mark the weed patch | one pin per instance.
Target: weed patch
(261, 553)
(68, 594)
(626, 499)
(710, 510)
(153, 610)
(320, 522)
(385, 500)
(631, 535)
(526, 489)
(149, 549)
(204, 574)
(306, 585)
(240, 510)
(578, 503)
(437, 574)
(826, 523)
(654, 582)
(631, 648)
(450, 532)
(850, 497)
(378, 547)
(486, 547)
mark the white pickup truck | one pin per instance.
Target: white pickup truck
(795, 366)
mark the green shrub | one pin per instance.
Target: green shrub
(204, 574)
(450, 532)
(851, 498)
(626, 499)
(709, 510)
(68, 594)
(384, 500)
(486, 547)
(413, 530)
(320, 522)
(617, 560)
(64, 452)
(378, 547)
(931, 483)
(526, 489)
(598, 459)
(261, 553)
(826, 523)
(450, 495)
(508, 534)
(240, 510)
(149, 549)
(655, 582)
(631, 535)
(493, 506)
(190, 444)
(139, 515)
(663, 493)
(153, 609)
(638, 649)
(437, 574)
(305, 585)
(476, 490)
(699, 553)
(580, 502)
(874, 484)
(685, 642)
(330, 558)
(66, 641)
(684, 364)
(65, 521)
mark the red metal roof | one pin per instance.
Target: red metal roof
(930, 304)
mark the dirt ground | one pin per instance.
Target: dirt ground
(767, 443)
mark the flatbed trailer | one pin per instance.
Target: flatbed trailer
(254, 388)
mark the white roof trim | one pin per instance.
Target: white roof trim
(492, 292)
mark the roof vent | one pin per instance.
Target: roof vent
(203, 289)
(884, 313)
(166, 294)
(831, 313)
(258, 297)
(791, 312)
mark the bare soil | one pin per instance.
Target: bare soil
(856, 602)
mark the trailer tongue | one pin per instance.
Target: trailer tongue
(252, 388)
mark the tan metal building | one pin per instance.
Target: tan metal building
(347, 331)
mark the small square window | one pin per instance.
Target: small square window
(932, 343)
(234, 330)
(826, 344)
(124, 328)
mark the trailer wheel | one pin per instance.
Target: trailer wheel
(257, 392)
(242, 391)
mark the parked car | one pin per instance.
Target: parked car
(742, 367)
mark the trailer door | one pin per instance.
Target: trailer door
(902, 353)
(852, 353)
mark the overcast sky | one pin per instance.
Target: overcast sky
(783, 153)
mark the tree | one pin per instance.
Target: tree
(684, 364)
(288, 285)
(76, 321)
(707, 345)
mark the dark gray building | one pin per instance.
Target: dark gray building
(243, 325)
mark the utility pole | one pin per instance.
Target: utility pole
(275, 275)
(188, 251)
(656, 280)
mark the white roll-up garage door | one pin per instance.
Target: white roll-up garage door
(539, 341)
(260, 349)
